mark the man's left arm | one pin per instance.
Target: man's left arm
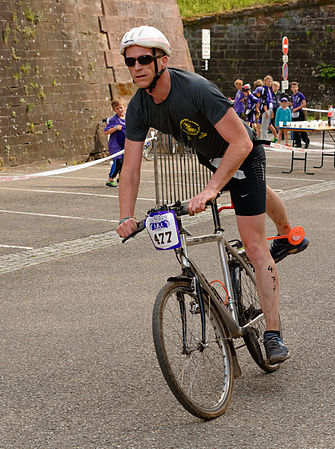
(232, 130)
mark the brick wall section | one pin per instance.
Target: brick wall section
(247, 45)
(54, 80)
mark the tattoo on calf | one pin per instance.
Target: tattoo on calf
(274, 280)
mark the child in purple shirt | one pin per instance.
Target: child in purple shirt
(251, 109)
(116, 129)
(239, 98)
(259, 108)
(267, 101)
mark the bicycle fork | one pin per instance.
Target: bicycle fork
(199, 307)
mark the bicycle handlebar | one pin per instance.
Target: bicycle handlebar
(178, 208)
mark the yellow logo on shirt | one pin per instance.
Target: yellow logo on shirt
(189, 127)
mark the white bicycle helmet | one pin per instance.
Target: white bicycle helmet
(145, 36)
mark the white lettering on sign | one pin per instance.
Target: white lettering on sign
(284, 85)
(206, 44)
(206, 51)
(206, 36)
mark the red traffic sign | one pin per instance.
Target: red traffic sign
(285, 71)
(285, 45)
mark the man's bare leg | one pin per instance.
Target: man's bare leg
(275, 209)
(252, 232)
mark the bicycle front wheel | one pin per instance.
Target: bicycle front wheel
(199, 374)
(246, 297)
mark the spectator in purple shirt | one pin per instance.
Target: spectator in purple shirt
(267, 99)
(257, 93)
(251, 109)
(116, 131)
(239, 98)
(298, 115)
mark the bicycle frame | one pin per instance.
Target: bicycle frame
(229, 314)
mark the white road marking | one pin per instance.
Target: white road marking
(70, 193)
(56, 216)
(14, 246)
(294, 179)
(152, 182)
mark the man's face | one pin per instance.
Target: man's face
(143, 74)
(268, 82)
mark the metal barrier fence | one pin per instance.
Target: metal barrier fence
(178, 173)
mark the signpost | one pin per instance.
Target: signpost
(284, 83)
(206, 46)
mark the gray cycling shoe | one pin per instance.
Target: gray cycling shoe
(276, 351)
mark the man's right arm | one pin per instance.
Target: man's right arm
(128, 186)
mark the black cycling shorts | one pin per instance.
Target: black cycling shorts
(248, 187)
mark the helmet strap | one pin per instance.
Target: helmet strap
(155, 80)
(158, 74)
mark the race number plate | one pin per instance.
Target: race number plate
(163, 229)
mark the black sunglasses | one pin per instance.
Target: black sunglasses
(143, 60)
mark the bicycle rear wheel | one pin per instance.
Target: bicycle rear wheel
(200, 376)
(246, 297)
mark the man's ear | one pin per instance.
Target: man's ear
(164, 61)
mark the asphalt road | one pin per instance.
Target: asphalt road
(77, 362)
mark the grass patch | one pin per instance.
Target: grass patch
(192, 8)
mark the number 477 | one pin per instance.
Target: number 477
(163, 237)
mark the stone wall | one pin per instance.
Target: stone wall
(60, 66)
(248, 45)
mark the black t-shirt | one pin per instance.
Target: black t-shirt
(194, 105)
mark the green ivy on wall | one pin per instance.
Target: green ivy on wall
(326, 71)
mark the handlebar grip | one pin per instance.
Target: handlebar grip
(140, 228)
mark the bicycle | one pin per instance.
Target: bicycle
(148, 150)
(194, 327)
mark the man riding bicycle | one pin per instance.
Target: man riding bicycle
(196, 113)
